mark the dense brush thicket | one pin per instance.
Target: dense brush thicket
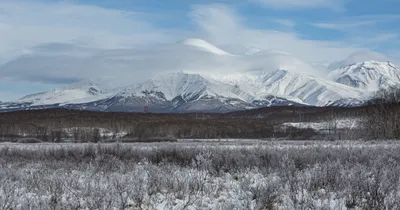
(383, 116)
(84, 126)
(284, 175)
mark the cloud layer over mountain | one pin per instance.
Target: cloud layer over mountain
(64, 42)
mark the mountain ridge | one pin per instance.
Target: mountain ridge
(182, 92)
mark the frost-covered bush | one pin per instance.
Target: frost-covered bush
(283, 175)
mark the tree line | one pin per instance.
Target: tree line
(381, 117)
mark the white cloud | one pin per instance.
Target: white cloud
(365, 30)
(359, 56)
(64, 63)
(303, 4)
(287, 23)
(24, 25)
(59, 63)
(62, 43)
(223, 26)
(356, 22)
(345, 25)
(374, 39)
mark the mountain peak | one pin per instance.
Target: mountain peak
(369, 75)
(372, 65)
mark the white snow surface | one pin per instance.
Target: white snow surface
(346, 123)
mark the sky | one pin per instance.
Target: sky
(46, 44)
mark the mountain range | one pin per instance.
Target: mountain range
(209, 79)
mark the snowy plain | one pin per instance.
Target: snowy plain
(196, 174)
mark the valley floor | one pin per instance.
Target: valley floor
(201, 174)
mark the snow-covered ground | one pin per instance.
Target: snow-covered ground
(196, 174)
(349, 123)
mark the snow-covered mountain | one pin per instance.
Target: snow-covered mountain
(181, 92)
(80, 92)
(307, 89)
(369, 75)
(203, 77)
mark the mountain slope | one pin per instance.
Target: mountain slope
(81, 92)
(309, 90)
(187, 86)
(369, 75)
(188, 92)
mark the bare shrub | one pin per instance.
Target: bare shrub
(267, 195)
(29, 141)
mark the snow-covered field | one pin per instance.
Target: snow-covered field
(349, 123)
(197, 174)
